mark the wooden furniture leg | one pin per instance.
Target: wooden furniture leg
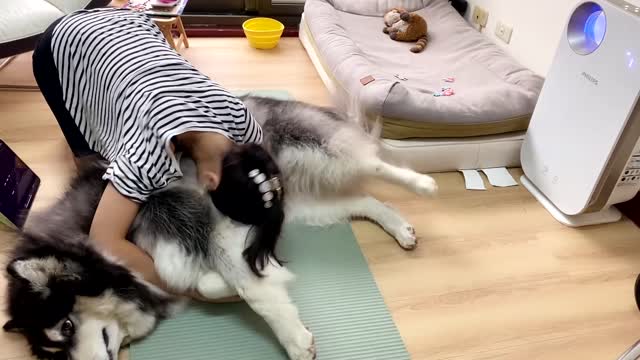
(165, 26)
(183, 33)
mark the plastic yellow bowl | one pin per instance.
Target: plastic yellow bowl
(263, 33)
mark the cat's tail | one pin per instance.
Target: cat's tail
(420, 45)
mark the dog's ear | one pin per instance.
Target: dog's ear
(12, 326)
(38, 272)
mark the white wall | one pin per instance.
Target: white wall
(537, 26)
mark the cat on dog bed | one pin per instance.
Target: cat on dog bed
(73, 302)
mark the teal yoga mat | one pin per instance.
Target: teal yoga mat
(334, 291)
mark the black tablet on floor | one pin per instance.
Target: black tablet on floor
(18, 187)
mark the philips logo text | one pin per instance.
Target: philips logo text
(591, 79)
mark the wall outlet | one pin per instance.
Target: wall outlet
(480, 16)
(504, 31)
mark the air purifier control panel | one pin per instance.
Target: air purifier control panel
(628, 183)
(631, 174)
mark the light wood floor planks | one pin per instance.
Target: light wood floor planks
(494, 277)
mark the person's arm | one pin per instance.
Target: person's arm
(113, 217)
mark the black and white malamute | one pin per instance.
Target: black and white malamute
(72, 301)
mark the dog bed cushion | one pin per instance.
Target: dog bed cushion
(376, 7)
(493, 93)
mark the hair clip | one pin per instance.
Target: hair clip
(260, 178)
(266, 187)
(253, 173)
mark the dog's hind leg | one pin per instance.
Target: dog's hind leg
(419, 183)
(326, 212)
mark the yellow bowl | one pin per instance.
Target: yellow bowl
(263, 33)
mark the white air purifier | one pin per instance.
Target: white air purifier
(581, 153)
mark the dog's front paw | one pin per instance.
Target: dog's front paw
(425, 185)
(304, 347)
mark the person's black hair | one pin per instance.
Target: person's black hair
(239, 197)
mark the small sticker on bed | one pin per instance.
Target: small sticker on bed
(446, 89)
(367, 79)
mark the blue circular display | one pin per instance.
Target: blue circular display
(587, 28)
(595, 27)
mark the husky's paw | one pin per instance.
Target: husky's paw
(304, 347)
(425, 185)
(399, 228)
(406, 237)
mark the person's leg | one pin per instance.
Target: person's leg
(46, 74)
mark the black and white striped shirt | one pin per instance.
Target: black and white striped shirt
(130, 93)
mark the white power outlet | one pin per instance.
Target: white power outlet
(504, 31)
(480, 16)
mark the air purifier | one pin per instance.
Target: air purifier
(581, 153)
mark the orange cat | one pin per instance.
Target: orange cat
(402, 25)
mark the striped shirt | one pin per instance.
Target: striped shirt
(129, 93)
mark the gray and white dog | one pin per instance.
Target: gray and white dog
(71, 301)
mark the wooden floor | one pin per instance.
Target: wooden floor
(494, 277)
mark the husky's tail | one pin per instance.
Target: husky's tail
(372, 126)
(420, 45)
(375, 128)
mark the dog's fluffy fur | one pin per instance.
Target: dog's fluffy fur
(324, 158)
(73, 302)
(70, 301)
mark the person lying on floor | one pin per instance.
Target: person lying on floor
(119, 91)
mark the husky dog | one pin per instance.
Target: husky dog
(72, 301)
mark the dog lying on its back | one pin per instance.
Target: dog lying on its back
(73, 302)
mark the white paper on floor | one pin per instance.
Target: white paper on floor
(473, 180)
(499, 177)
